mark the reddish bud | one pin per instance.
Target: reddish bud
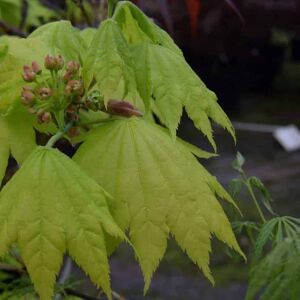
(67, 76)
(28, 75)
(50, 62)
(46, 117)
(27, 97)
(44, 93)
(36, 68)
(59, 62)
(43, 117)
(122, 108)
(74, 87)
(72, 66)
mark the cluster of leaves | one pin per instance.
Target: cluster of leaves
(129, 174)
(275, 269)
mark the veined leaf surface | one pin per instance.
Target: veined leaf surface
(50, 207)
(159, 188)
(18, 52)
(166, 76)
(61, 38)
(15, 139)
(109, 62)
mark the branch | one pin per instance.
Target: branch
(58, 135)
(11, 30)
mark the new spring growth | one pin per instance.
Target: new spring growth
(54, 63)
(58, 94)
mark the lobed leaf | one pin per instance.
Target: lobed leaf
(16, 53)
(61, 38)
(163, 74)
(108, 60)
(159, 188)
(19, 141)
(56, 208)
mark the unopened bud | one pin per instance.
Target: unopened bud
(59, 62)
(36, 68)
(44, 93)
(28, 75)
(46, 117)
(27, 97)
(49, 62)
(122, 108)
(67, 76)
(43, 117)
(74, 87)
(72, 66)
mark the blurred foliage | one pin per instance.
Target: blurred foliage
(275, 260)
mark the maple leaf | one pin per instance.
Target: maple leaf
(15, 53)
(169, 83)
(109, 61)
(15, 139)
(137, 27)
(53, 38)
(61, 38)
(49, 207)
(159, 188)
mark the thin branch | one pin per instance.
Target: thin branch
(11, 30)
(58, 135)
(11, 268)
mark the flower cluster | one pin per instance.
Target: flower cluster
(58, 88)
(57, 94)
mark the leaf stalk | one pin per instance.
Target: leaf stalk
(58, 136)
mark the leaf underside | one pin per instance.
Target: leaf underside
(56, 208)
(159, 188)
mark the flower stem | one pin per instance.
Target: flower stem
(58, 135)
(252, 194)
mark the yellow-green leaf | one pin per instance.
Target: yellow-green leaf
(159, 188)
(109, 62)
(17, 137)
(61, 38)
(51, 207)
(163, 74)
(18, 52)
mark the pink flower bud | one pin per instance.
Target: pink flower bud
(44, 93)
(36, 68)
(72, 66)
(75, 88)
(46, 117)
(67, 76)
(122, 108)
(28, 75)
(59, 62)
(43, 117)
(27, 97)
(50, 62)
